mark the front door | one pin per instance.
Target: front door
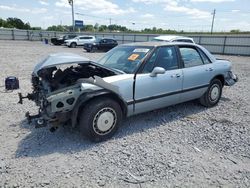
(160, 90)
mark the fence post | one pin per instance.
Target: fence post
(13, 34)
(199, 42)
(147, 37)
(123, 38)
(28, 34)
(134, 37)
(224, 45)
(54, 34)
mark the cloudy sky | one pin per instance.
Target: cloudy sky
(189, 15)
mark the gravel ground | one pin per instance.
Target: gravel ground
(184, 145)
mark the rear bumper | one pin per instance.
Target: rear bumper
(231, 79)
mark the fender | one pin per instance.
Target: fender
(83, 98)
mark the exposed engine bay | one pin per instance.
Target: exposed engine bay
(58, 78)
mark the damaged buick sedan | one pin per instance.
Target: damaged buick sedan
(130, 79)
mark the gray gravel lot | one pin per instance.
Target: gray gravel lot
(185, 145)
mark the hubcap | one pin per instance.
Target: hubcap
(215, 93)
(104, 121)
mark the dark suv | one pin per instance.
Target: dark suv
(100, 44)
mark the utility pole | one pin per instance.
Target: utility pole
(110, 21)
(71, 2)
(212, 26)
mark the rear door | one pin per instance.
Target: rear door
(197, 72)
(163, 89)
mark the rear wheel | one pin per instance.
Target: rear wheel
(213, 94)
(100, 119)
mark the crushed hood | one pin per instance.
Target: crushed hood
(56, 59)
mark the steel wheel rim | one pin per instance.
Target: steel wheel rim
(104, 121)
(214, 93)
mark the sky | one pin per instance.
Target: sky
(188, 15)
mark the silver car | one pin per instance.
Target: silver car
(128, 80)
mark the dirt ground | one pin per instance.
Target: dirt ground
(185, 145)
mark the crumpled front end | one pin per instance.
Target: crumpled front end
(55, 89)
(231, 78)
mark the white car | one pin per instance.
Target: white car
(173, 38)
(79, 41)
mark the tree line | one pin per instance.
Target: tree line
(19, 24)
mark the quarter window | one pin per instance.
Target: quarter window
(204, 57)
(190, 57)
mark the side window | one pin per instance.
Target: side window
(190, 57)
(110, 41)
(86, 38)
(204, 57)
(164, 57)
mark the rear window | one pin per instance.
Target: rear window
(86, 37)
(183, 40)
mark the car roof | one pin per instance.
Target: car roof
(171, 37)
(86, 36)
(158, 43)
(106, 38)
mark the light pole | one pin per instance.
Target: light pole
(212, 26)
(71, 2)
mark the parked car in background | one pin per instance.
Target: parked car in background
(173, 38)
(60, 40)
(129, 79)
(79, 41)
(100, 44)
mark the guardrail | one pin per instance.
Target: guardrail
(220, 44)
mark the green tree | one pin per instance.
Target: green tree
(56, 28)
(88, 28)
(96, 27)
(17, 23)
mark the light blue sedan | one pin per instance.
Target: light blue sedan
(128, 80)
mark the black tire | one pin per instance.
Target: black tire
(104, 111)
(213, 94)
(93, 49)
(73, 45)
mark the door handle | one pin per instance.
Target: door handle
(210, 69)
(176, 76)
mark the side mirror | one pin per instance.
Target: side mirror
(157, 70)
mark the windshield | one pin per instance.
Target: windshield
(125, 58)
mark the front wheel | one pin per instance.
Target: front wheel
(213, 94)
(73, 45)
(94, 49)
(100, 119)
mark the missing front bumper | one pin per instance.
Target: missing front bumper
(231, 79)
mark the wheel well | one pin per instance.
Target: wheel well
(221, 78)
(108, 95)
